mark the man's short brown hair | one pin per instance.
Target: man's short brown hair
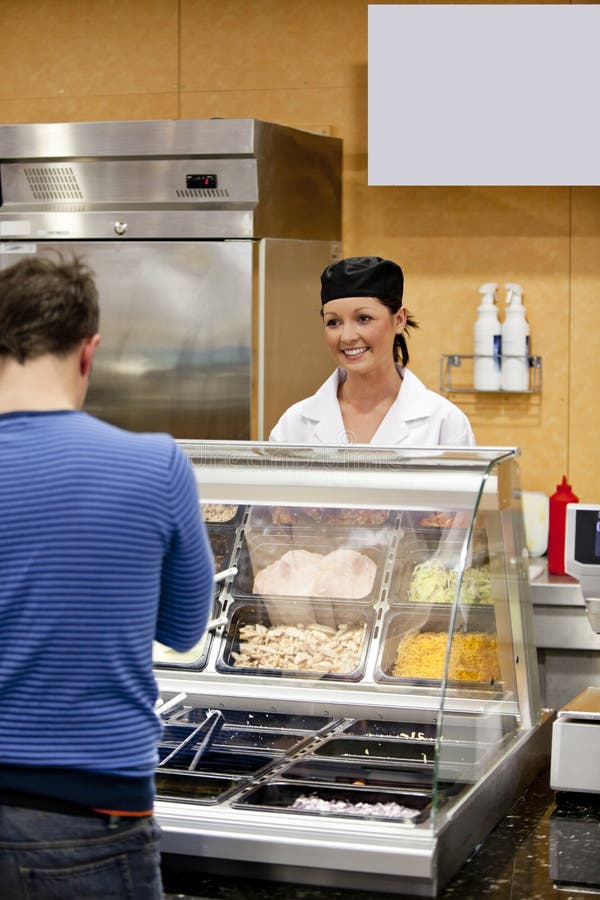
(46, 306)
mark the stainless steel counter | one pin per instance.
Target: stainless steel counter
(567, 646)
(540, 851)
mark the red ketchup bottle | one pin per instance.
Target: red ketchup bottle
(556, 526)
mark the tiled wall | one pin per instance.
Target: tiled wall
(305, 64)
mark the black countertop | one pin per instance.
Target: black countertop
(546, 846)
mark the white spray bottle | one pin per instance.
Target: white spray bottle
(515, 342)
(487, 342)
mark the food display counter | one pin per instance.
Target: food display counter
(364, 706)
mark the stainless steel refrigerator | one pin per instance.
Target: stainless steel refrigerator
(207, 238)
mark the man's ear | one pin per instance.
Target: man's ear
(86, 354)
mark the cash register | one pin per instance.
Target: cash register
(575, 761)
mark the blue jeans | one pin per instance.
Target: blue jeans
(56, 856)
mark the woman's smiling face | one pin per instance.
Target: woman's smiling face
(360, 332)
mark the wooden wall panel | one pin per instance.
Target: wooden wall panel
(305, 64)
(119, 107)
(583, 346)
(271, 44)
(304, 108)
(74, 48)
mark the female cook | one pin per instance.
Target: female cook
(371, 397)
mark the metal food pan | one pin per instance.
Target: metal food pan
(379, 777)
(453, 525)
(473, 729)
(217, 761)
(458, 761)
(222, 542)
(222, 513)
(416, 552)
(271, 741)
(375, 749)
(434, 518)
(243, 718)
(284, 618)
(240, 738)
(319, 518)
(164, 657)
(438, 521)
(257, 555)
(404, 730)
(420, 619)
(192, 787)
(281, 795)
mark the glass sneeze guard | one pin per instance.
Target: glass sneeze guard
(377, 611)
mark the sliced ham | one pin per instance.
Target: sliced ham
(343, 573)
(292, 575)
(346, 574)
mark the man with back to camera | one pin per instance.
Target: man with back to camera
(102, 550)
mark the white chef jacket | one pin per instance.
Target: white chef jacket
(418, 417)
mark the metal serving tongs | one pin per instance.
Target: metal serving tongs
(216, 623)
(218, 578)
(205, 733)
(161, 707)
(212, 725)
(221, 576)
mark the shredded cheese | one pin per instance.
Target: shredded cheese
(473, 656)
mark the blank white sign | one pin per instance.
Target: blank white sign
(484, 95)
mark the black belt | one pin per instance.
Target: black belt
(51, 804)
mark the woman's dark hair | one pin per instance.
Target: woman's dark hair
(46, 306)
(400, 349)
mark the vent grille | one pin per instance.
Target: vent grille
(56, 183)
(67, 207)
(201, 192)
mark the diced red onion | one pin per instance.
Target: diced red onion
(391, 810)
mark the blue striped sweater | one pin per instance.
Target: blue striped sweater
(102, 549)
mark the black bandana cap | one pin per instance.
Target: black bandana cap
(362, 276)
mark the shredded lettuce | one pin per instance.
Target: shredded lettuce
(432, 582)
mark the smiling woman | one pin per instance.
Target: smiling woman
(372, 397)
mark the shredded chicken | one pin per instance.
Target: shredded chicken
(312, 647)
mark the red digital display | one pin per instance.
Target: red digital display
(208, 182)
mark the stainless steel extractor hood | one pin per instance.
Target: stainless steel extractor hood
(206, 178)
